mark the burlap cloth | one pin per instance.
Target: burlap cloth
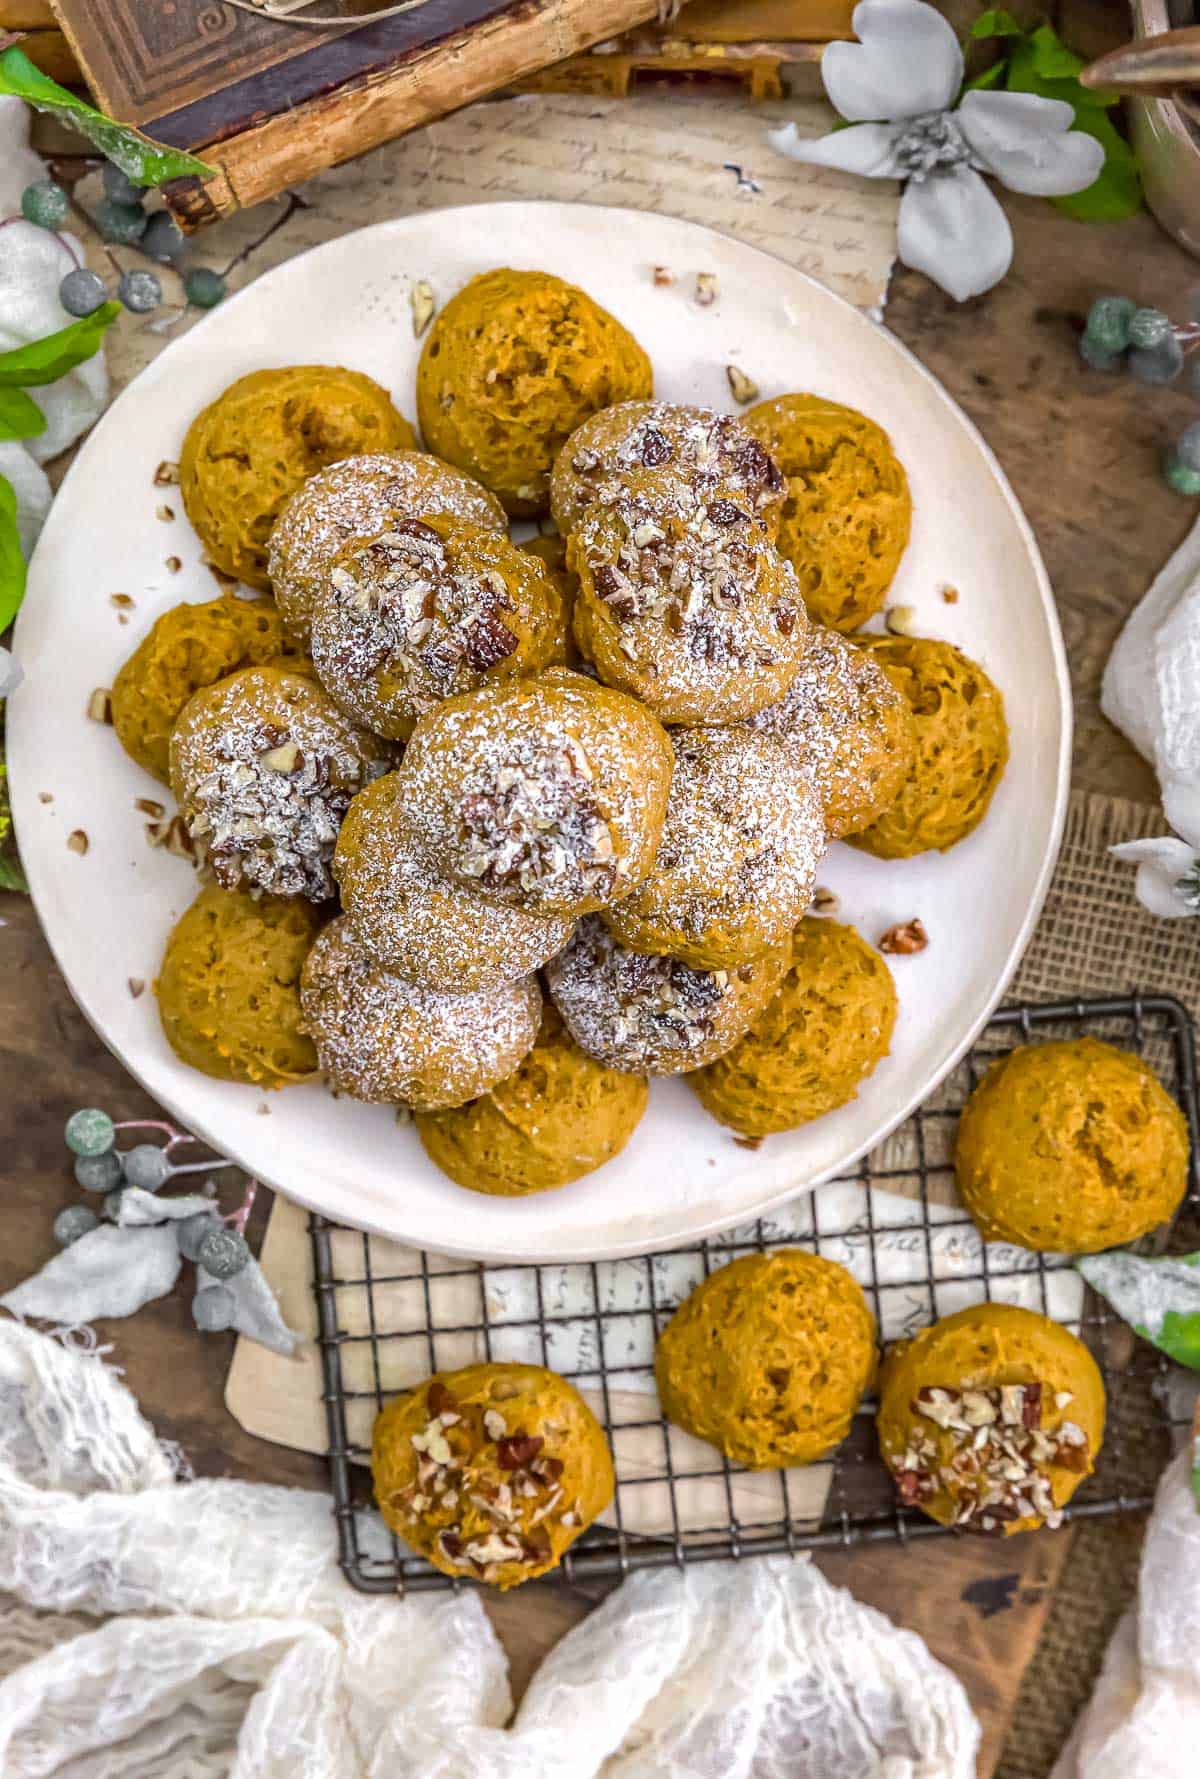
(1094, 938)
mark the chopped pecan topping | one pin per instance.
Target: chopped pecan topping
(517, 1450)
(995, 1457)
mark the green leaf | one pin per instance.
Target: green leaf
(46, 360)
(12, 562)
(1026, 75)
(143, 161)
(993, 76)
(12, 877)
(1052, 60)
(1160, 1298)
(20, 416)
(997, 21)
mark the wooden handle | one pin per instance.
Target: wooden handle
(1155, 65)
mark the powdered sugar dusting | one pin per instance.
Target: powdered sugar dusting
(380, 1037)
(653, 1015)
(397, 628)
(743, 837)
(264, 765)
(359, 497)
(700, 444)
(536, 792)
(435, 932)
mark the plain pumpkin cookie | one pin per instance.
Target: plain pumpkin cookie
(1070, 1147)
(769, 1358)
(847, 512)
(826, 1029)
(961, 737)
(261, 440)
(510, 368)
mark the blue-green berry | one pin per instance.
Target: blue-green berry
(119, 187)
(99, 1173)
(111, 1209)
(204, 287)
(140, 291)
(75, 1221)
(1149, 327)
(1108, 322)
(122, 224)
(214, 1309)
(1180, 476)
(146, 1166)
(190, 1232)
(81, 292)
(224, 1253)
(89, 1132)
(1157, 364)
(163, 240)
(45, 203)
(1099, 357)
(1187, 445)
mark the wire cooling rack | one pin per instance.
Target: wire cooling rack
(387, 1316)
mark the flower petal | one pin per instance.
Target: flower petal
(951, 228)
(869, 149)
(1029, 144)
(906, 61)
(1160, 863)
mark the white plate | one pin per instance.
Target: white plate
(107, 914)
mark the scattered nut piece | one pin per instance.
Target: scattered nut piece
(77, 841)
(901, 620)
(905, 938)
(166, 474)
(745, 390)
(263, 1111)
(149, 807)
(45, 796)
(663, 275)
(748, 1142)
(424, 306)
(163, 511)
(706, 289)
(99, 705)
(284, 758)
(824, 901)
(121, 600)
(174, 564)
(950, 595)
(136, 986)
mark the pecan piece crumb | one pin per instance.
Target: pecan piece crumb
(743, 388)
(77, 841)
(166, 474)
(99, 706)
(706, 289)
(905, 938)
(663, 275)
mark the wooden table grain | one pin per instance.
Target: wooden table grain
(1081, 450)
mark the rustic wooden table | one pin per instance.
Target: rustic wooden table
(1081, 450)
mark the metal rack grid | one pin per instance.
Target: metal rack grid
(916, 1257)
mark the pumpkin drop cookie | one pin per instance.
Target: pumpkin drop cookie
(847, 728)
(847, 511)
(990, 1419)
(492, 1472)
(263, 767)
(961, 747)
(381, 1038)
(738, 858)
(1070, 1147)
(261, 440)
(188, 647)
(826, 1029)
(428, 609)
(768, 1359)
(510, 368)
(359, 498)
(683, 602)
(229, 987)
(654, 1015)
(437, 933)
(547, 794)
(558, 1116)
(713, 451)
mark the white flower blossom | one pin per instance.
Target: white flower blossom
(898, 87)
(1168, 869)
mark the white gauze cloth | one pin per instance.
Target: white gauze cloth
(234, 1647)
(1143, 1721)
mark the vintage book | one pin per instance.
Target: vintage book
(269, 103)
